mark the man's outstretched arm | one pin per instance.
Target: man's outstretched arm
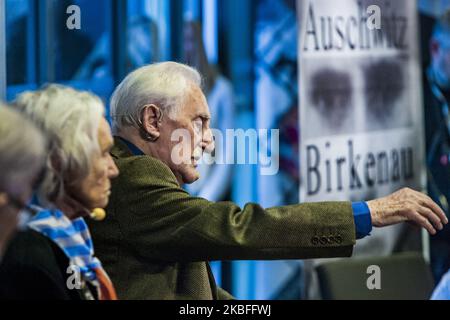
(162, 222)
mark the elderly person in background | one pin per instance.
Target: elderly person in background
(22, 159)
(157, 239)
(436, 101)
(54, 259)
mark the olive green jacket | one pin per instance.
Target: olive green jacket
(157, 239)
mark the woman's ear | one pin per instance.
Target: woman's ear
(151, 122)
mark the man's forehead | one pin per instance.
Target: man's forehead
(196, 93)
(198, 104)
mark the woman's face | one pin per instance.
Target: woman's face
(93, 192)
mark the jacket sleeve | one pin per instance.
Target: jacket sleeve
(160, 221)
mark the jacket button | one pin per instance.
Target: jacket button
(338, 239)
(323, 241)
(315, 241)
(331, 240)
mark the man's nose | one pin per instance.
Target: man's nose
(208, 144)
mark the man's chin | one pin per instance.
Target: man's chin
(191, 177)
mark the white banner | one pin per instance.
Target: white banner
(361, 115)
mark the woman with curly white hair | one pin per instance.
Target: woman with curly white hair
(54, 259)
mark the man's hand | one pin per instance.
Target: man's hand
(407, 205)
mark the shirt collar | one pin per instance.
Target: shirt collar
(135, 150)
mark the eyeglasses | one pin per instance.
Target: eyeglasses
(20, 205)
(26, 212)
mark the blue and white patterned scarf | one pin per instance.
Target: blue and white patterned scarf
(72, 237)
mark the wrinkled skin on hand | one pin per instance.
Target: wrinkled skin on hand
(407, 205)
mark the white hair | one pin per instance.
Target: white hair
(164, 84)
(71, 120)
(22, 149)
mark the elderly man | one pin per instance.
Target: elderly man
(157, 239)
(436, 102)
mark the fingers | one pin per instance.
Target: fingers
(436, 209)
(421, 221)
(430, 211)
(432, 218)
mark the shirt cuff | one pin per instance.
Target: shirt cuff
(363, 219)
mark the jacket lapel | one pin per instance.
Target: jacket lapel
(120, 149)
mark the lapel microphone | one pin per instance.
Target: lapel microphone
(98, 214)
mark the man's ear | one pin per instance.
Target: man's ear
(151, 121)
